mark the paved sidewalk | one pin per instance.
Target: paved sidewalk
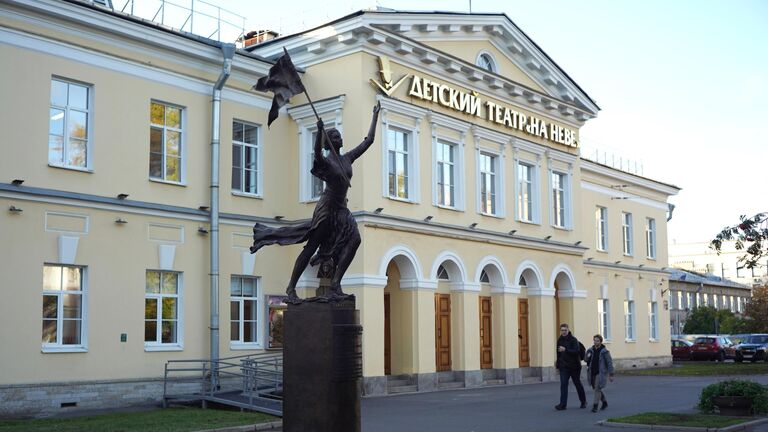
(530, 408)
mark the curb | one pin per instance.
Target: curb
(249, 428)
(737, 427)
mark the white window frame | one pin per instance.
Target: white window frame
(58, 346)
(626, 233)
(331, 112)
(88, 111)
(453, 185)
(447, 130)
(182, 144)
(630, 328)
(653, 321)
(604, 317)
(408, 119)
(601, 222)
(497, 176)
(259, 169)
(493, 65)
(408, 155)
(650, 238)
(566, 200)
(158, 345)
(259, 308)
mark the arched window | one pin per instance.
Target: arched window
(485, 61)
(442, 274)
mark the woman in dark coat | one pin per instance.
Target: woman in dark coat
(332, 232)
(599, 370)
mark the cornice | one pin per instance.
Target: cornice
(614, 266)
(361, 34)
(591, 166)
(329, 105)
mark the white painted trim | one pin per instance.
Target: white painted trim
(572, 294)
(623, 177)
(494, 261)
(68, 249)
(494, 63)
(259, 160)
(179, 344)
(541, 292)
(98, 60)
(410, 272)
(507, 289)
(247, 262)
(562, 268)
(464, 287)
(364, 280)
(535, 169)
(455, 259)
(459, 186)
(614, 193)
(498, 154)
(604, 291)
(86, 218)
(414, 151)
(529, 264)
(418, 285)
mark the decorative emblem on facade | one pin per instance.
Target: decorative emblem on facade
(387, 86)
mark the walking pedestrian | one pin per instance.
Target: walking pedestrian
(569, 365)
(599, 370)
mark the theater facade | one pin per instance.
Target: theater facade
(129, 191)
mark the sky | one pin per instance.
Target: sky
(682, 86)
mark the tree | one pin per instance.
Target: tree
(756, 312)
(706, 319)
(751, 235)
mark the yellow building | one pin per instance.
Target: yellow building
(129, 191)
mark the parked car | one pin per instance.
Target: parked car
(681, 349)
(710, 348)
(753, 348)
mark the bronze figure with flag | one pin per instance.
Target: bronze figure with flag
(332, 235)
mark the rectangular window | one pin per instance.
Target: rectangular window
(165, 142)
(650, 238)
(601, 222)
(682, 300)
(739, 271)
(723, 270)
(398, 155)
(488, 171)
(68, 126)
(162, 315)
(63, 307)
(525, 192)
(560, 199)
(604, 314)
(244, 310)
(629, 319)
(653, 322)
(446, 174)
(245, 158)
(626, 229)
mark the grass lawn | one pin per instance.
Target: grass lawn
(160, 420)
(704, 368)
(690, 420)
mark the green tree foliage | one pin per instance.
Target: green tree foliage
(756, 313)
(706, 319)
(756, 391)
(751, 235)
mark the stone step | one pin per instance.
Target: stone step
(397, 382)
(531, 380)
(493, 382)
(450, 385)
(402, 389)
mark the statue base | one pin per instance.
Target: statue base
(322, 367)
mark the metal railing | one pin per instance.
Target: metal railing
(195, 16)
(251, 377)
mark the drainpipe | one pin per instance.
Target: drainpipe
(228, 50)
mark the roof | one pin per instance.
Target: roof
(692, 277)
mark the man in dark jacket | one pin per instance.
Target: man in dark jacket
(569, 365)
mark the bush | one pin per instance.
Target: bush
(750, 389)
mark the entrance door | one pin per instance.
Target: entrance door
(443, 332)
(522, 332)
(486, 351)
(387, 338)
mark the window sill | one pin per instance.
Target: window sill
(247, 195)
(163, 347)
(528, 222)
(629, 255)
(64, 349)
(605, 251)
(445, 207)
(402, 200)
(630, 341)
(653, 340)
(562, 228)
(240, 346)
(651, 259)
(172, 183)
(72, 168)
(491, 215)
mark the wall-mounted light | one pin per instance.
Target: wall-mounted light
(512, 232)
(619, 186)
(641, 265)
(379, 210)
(14, 209)
(590, 258)
(640, 277)
(473, 225)
(589, 272)
(204, 208)
(577, 243)
(664, 291)
(619, 198)
(279, 217)
(664, 268)
(547, 237)
(428, 218)
(616, 275)
(618, 262)
(17, 182)
(122, 196)
(121, 221)
(202, 230)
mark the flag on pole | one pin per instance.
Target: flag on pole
(283, 81)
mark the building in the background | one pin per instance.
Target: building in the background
(700, 258)
(689, 290)
(127, 217)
